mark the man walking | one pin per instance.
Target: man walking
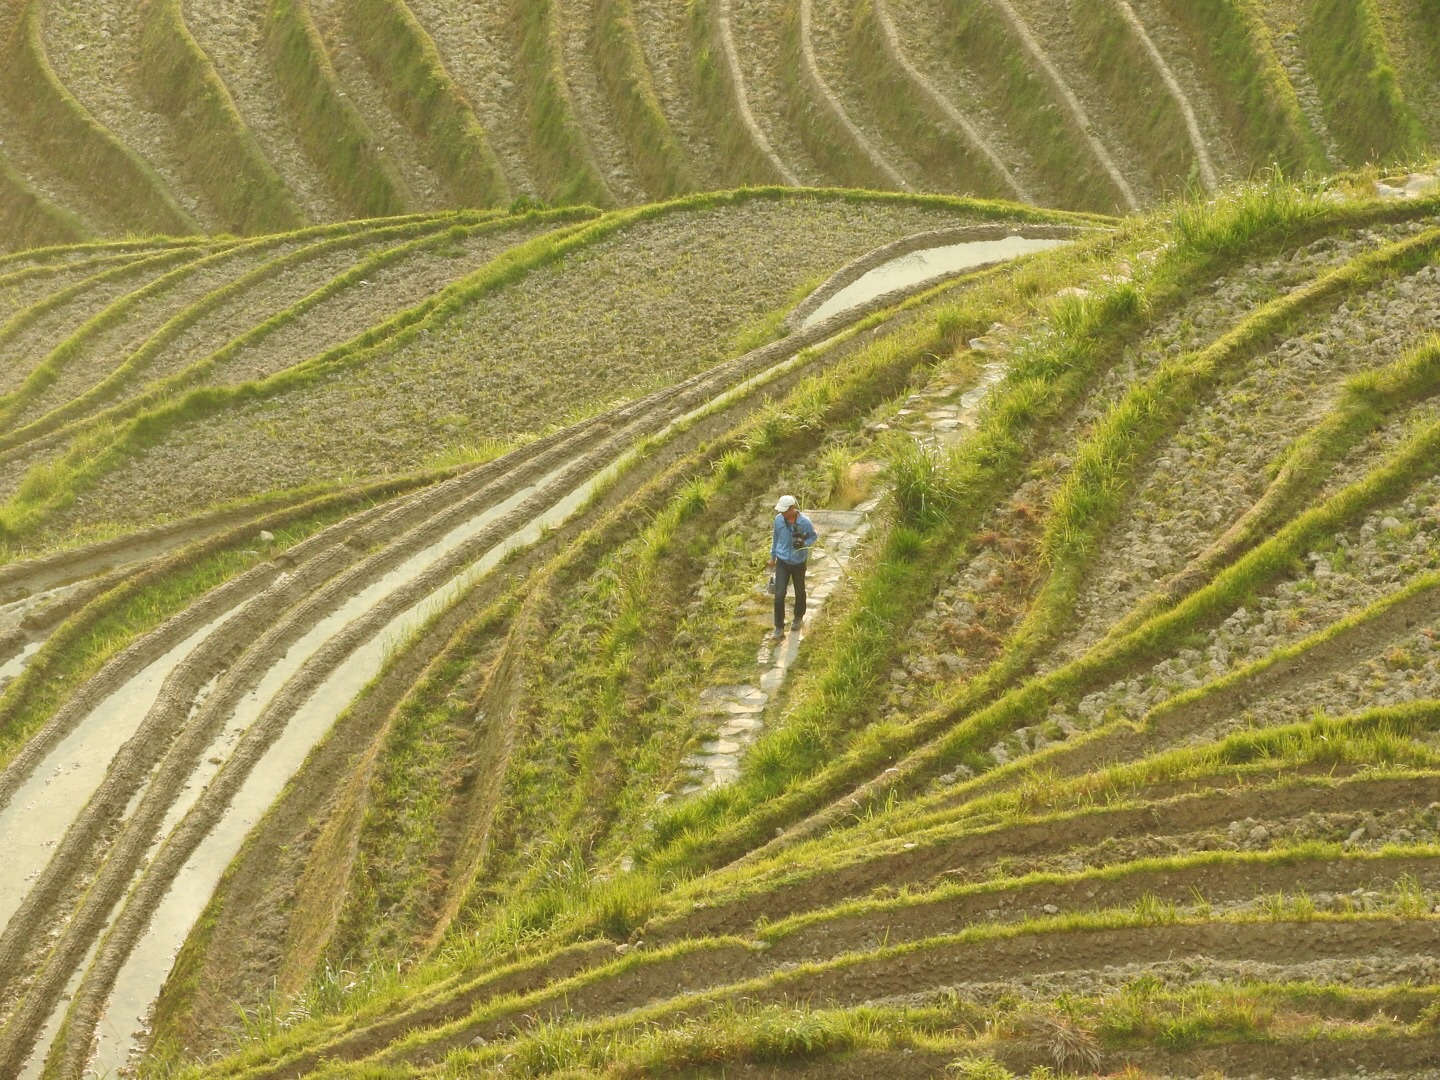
(790, 546)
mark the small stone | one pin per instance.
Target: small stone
(266, 536)
(1259, 834)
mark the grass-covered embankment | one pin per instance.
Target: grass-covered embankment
(659, 160)
(227, 162)
(1364, 106)
(1233, 51)
(407, 65)
(341, 145)
(564, 165)
(82, 150)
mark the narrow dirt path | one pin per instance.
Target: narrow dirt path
(928, 90)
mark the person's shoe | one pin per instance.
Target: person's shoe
(779, 633)
(795, 625)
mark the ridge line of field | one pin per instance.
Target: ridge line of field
(336, 137)
(1078, 117)
(29, 217)
(565, 162)
(22, 319)
(736, 81)
(660, 162)
(83, 463)
(821, 91)
(1208, 175)
(63, 418)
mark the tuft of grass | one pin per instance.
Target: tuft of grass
(1228, 223)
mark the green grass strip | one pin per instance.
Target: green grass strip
(1390, 742)
(334, 134)
(26, 317)
(48, 370)
(1149, 727)
(1416, 460)
(655, 153)
(1366, 402)
(55, 254)
(1310, 854)
(101, 425)
(221, 153)
(1344, 41)
(1232, 49)
(160, 340)
(28, 219)
(563, 162)
(81, 149)
(408, 68)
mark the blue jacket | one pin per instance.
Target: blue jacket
(782, 545)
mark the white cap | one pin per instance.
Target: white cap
(787, 502)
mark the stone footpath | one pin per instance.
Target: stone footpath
(938, 416)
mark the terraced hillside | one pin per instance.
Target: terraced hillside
(387, 685)
(172, 117)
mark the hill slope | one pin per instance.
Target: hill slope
(168, 117)
(434, 719)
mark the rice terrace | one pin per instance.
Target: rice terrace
(397, 399)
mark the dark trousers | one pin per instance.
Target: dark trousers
(784, 574)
